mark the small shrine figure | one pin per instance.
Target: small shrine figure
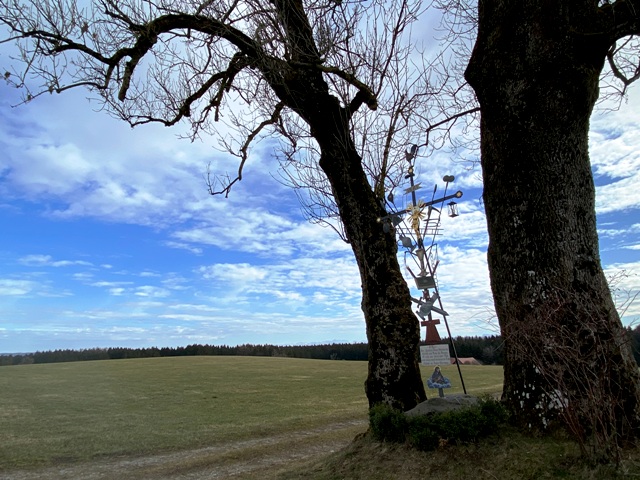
(439, 381)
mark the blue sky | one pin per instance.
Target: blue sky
(109, 237)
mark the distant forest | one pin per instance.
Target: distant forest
(487, 350)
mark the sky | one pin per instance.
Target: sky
(108, 237)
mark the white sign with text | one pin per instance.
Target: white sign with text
(435, 355)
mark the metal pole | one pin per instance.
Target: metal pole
(446, 323)
(410, 156)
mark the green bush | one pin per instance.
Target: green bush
(421, 434)
(494, 413)
(387, 423)
(471, 424)
(459, 426)
(425, 432)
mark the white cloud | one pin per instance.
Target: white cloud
(201, 307)
(620, 195)
(614, 149)
(338, 274)
(614, 157)
(152, 291)
(10, 287)
(147, 273)
(609, 230)
(261, 232)
(185, 246)
(47, 261)
(235, 274)
(95, 166)
(470, 227)
(174, 281)
(186, 317)
(84, 277)
(110, 284)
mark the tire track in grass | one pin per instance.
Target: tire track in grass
(234, 460)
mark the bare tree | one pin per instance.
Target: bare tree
(334, 81)
(536, 69)
(399, 76)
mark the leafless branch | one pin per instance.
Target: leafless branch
(229, 65)
(226, 186)
(622, 66)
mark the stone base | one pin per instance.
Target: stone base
(443, 404)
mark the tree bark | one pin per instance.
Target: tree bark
(535, 69)
(393, 331)
(392, 328)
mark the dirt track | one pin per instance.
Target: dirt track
(237, 460)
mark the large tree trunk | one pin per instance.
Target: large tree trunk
(566, 352)
(393, 331)
(392, 328)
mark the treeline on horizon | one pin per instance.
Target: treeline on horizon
(488, 350)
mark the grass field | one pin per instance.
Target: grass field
(248, 418)
(75, 412)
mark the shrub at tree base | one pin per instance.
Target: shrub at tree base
(427, 432)
(387, 423)
(421, 435)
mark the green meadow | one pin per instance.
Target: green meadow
(245, 418)
(76, 412)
